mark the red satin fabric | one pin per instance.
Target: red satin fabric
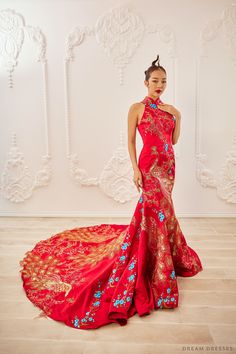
(90, 276)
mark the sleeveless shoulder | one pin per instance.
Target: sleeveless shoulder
(136, 108)
(136, 105)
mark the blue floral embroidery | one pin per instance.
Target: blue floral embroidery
(98, 294)
(122, 299)
(163, 301)
(153, 105)
(131, 277)
(117, 302)
(166, 147)
(124, 246)
(141, 199)
(119, 263)
(89, 316)
(131, 265)
(161, 216)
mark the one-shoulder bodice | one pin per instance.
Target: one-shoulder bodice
(156, 126)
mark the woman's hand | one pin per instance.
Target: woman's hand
(169, 108)
(138, 179)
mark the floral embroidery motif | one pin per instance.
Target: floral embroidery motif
(168, 300)
(161, 216)
(89, 316)
(122, 299)
(153, 105)
(163, 301)
(119, 263)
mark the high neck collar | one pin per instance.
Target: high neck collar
(152, 100)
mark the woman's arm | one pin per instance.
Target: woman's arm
(176, 131)
(132, 124)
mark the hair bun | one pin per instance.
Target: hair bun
(157, 60)
(154, 67)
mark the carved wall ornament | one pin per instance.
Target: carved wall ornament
(226, 26)
(12, 37)
(115, 179)
(17, 183)
(225, 180)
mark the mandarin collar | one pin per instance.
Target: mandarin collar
(152, 100)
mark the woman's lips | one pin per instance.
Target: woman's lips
(158, 91)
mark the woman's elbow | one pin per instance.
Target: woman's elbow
(131, 142)
(174, 141)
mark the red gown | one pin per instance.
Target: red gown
(91, 276)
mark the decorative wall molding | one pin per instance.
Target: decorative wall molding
(225, 180)
(12, 36)
(115, 179)
(226, 26)
(120, 32)
(225, 183)
(166, 35)
(226, 187)
(17, 183)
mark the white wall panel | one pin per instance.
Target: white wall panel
(69, 70)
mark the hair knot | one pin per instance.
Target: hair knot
(157, 60)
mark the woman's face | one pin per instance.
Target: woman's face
(156, 84)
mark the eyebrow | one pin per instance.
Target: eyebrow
(158, 78)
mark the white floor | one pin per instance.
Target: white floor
(205, 320)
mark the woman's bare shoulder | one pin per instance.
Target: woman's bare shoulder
(136, 106)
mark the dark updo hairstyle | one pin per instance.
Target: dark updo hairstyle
(153, 67)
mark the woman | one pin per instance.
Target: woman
(90, 276)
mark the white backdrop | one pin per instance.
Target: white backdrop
(69, 71)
